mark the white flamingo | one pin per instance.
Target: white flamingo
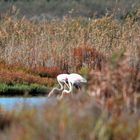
(70, 80)
(62, 79)
(74, 80)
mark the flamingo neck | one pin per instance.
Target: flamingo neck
(70, 88)
(61, 86)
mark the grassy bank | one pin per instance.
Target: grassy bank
(17, 80)
(22, 90)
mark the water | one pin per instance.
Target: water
(10, 103)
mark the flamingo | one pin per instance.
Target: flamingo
(73, 80)
(61, 79)
(70, 80)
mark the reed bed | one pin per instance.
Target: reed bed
(68, 44)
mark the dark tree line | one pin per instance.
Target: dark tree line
(19, 0)
(14, 0)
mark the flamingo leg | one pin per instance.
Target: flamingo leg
(67, 84)
(65, 91)
(52, 91)
(61, 96)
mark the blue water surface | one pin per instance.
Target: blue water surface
(10, 103)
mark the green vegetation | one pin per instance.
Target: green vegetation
(22, 89)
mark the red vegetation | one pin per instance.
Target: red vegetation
(47, 71)
(11, 75)
(88, 56)
(21, 77)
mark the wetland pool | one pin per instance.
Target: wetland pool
(11, 103)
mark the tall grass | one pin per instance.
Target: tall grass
(76, 119)
(68, 43)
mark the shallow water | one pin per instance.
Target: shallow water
(10, 103)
